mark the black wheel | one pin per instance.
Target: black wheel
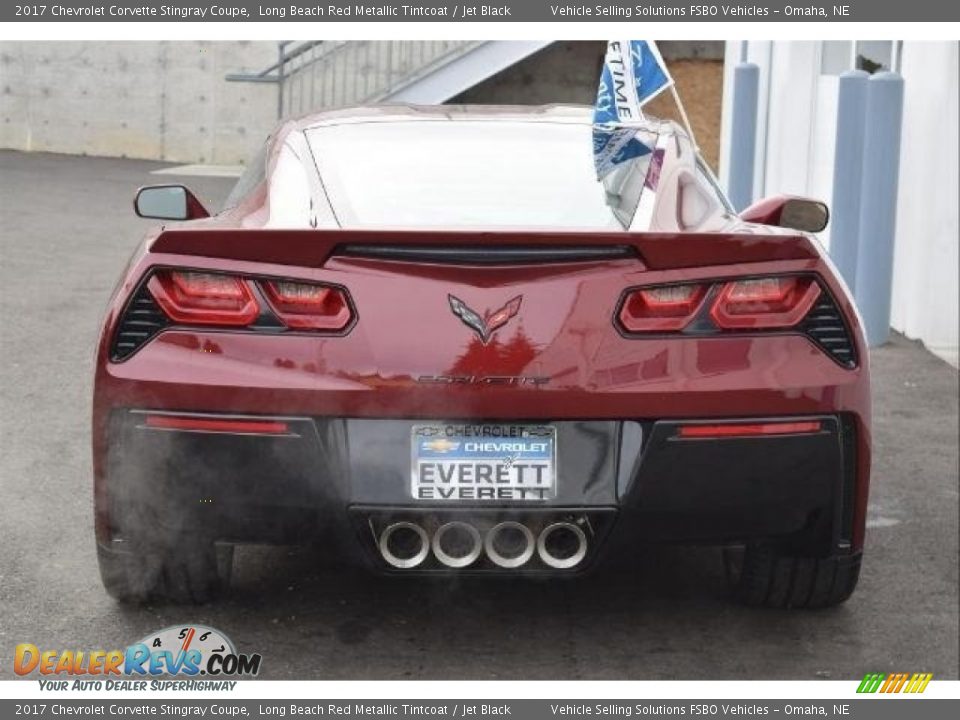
(762, 575)
(194, 573)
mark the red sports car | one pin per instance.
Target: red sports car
(434, 336)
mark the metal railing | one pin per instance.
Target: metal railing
(316, 75)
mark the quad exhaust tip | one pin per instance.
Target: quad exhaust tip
(404, 545)
(562, 545)
(509, 544)
(457, 544)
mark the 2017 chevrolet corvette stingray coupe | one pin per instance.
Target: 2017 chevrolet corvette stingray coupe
(435, 337)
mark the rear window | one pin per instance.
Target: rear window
(254, 174)
(473, 174)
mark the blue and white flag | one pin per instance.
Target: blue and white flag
(613, 145)
(633, 73)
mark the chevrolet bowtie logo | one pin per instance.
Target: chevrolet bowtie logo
(440, 445)
(486, 325)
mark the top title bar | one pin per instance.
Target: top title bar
(496, 11)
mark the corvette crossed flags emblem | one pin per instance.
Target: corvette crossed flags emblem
(490, 322)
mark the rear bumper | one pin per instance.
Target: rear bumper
(344, 479)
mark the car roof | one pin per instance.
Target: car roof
(552, 114)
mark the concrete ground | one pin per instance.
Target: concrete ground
(67, 230)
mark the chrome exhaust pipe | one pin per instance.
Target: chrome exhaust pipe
(457, 544)
(509, 544)
(562, 545)
(404, 545)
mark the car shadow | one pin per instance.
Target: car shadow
(667, 615)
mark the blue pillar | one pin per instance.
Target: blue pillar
(743, 134)
(878, 203)
(848, 173)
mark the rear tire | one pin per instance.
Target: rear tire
(192, 574)
(762, 575)
(162, 547)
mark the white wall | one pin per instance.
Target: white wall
(795, 147)
(155, 100)
(925, 299)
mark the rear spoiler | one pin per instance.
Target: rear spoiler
(312, 248)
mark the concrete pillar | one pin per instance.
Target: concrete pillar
(848, 173)
(743, 134)
(878, 203)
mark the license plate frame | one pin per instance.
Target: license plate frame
(521, 457)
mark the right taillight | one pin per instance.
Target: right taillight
(200, 298)
(662, 309)
(751, 303)
(711, 308)
(770, 302)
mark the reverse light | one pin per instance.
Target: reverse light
(662, 309)
(748, 429)
(199, 298)
(771, 302)
(308, 306)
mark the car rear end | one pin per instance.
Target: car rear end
(591, 391)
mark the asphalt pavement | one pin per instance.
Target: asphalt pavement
(66, 230)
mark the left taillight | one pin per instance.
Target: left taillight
(196, 298)
(189, 297)
(199, 298)
(306, 306)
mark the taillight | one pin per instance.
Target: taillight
(754, 303)
(306, 306)
(662, 309)
(199, 298)
(772, 302)
(215, 299)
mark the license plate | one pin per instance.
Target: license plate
(458, 462)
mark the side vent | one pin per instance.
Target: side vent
(824, 325)
(141, 320)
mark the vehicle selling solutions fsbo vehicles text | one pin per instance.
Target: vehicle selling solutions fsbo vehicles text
(695, 10)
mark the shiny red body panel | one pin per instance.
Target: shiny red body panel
(405, 333)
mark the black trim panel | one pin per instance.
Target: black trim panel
(487, 254)
(140, 321)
